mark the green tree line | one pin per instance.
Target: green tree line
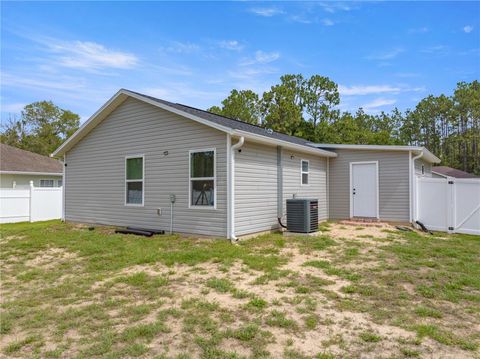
(448, 125)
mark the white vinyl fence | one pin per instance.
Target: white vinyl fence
(450, 205)
(30, 205)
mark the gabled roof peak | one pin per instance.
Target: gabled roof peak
(222, 123)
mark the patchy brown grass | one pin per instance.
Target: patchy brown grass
(67, 291)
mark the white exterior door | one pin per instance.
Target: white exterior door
(364, 189)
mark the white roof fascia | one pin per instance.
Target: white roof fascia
(285, 144)
(31, 173)
(417, 149)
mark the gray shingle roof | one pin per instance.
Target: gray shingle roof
(17, 160)
(452, 172)
(231, 123)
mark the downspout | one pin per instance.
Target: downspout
(64, 180)
(328, 188)
(414, 186)
(231, 191)
(280, 186)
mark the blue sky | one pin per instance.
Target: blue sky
(382, 54)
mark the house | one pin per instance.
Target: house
(145, 162)
(445, 172)
(19, 167)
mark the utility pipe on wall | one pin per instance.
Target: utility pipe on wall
(231, 191)
(279, 183)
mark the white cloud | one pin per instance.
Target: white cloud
(468, 29)
(181, 47)
(437, 50)
(91, 56)
(327, 22)
(261, 57)
(231, 45)
(367, 90)
(266, 11)
(12, 107)
(64, 83)
(249, 72)
(335, 6)
(386, 55)
(379, 102)
(361, 90)
(419, 30)
(265, 57)
(300, 19)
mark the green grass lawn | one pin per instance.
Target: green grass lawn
(67, 291)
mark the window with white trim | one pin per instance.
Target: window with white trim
(46, 183)
(202, 178)
(134, 170)
(305, 171)
(59, 183)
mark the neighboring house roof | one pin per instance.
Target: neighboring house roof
(452, 172)
(427, 155)
(225, 124)
(15, 160)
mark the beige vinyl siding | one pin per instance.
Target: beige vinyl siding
(255, 189)
(256, 185)
(95, 172)
(317, 186)
(418, 167)
(393, 168)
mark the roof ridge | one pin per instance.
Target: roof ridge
(230, 118)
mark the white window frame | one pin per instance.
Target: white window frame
(142, 156)
(302, 172)
(58, 183)
(44, 179)
(214, 178)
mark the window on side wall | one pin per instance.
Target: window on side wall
(134, 181)
(423, 169)
(305, 167)
(59, 183)
(202, 179)
(46, 183)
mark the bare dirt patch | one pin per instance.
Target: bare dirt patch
(51, 257)
(365, 233)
